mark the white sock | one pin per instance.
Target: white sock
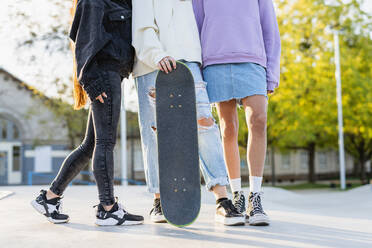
(236, 184)
(255, 184)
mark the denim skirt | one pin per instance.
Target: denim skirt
(234, 81)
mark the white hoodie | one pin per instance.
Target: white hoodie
(163, 28)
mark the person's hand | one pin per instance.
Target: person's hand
(100, 97)
(269, 92)
(165, 66)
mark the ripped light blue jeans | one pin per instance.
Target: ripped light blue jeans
(210, 146)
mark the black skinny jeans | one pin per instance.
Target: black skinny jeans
(99, 142)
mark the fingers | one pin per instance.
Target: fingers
(159, 66)
(173, 62)
(165, 65)
(169, 67)
(99, 98)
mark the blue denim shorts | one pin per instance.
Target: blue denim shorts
(234, 81)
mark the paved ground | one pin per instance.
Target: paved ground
(315, 219)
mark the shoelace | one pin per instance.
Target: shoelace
(255, 199)
(239, 201)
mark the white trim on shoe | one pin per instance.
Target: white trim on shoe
(158, 218)
(114, 222)
(230, 221)
(259, 220)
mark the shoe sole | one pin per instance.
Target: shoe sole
(231, 221)
(261, 220)
(113, 222)
(40, 209)
(158, 219)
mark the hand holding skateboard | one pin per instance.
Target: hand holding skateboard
(165, 66)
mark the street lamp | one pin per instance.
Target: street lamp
(339, 110)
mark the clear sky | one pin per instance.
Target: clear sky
(10, 55)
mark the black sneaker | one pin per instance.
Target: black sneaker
(227, 214)
(255, 213)
(117, 216)
(50, 208)
(156, 213)
(239, 201)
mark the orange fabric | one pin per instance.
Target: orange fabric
(80, 96)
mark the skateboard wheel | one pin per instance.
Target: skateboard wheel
(171, 106)
(184, 190)
(180, 106)
(184, 179)
(175, 179)
(171, 95)
(175, 190)
(179, 95)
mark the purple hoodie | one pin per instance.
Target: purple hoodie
(238, 31)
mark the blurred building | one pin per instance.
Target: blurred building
(34, 142)
(32, 139)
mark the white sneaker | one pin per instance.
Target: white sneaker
(256, 216)
(51, 209)
(156, 213)
(227, 214)
(117, 216)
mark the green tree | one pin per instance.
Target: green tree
(303, 111)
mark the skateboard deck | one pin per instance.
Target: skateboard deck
(178, 157)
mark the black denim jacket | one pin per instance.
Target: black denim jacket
(102, 33)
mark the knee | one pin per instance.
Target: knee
(205, 123)
(258, 123)
(229, 129)
(105, 143)
(87, 147)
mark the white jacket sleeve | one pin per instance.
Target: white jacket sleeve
(146, 41)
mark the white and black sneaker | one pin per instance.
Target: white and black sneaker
(227, 214)
(156, 213)
(117, 216)
(50, 208)
(239, 201)
(255, 213)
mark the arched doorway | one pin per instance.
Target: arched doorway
(10, 152)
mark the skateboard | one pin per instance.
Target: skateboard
(177, 135)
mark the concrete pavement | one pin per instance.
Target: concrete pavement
(315, 219)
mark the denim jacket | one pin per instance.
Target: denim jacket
(101, 31)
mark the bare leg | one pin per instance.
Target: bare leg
(219, 192)
(256, 117)
(229, 124)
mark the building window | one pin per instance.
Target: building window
(304, 160)
(3, 164)
(286, 161)
(16, 158)
(3, 129)
(322, 160)
(8, 130)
